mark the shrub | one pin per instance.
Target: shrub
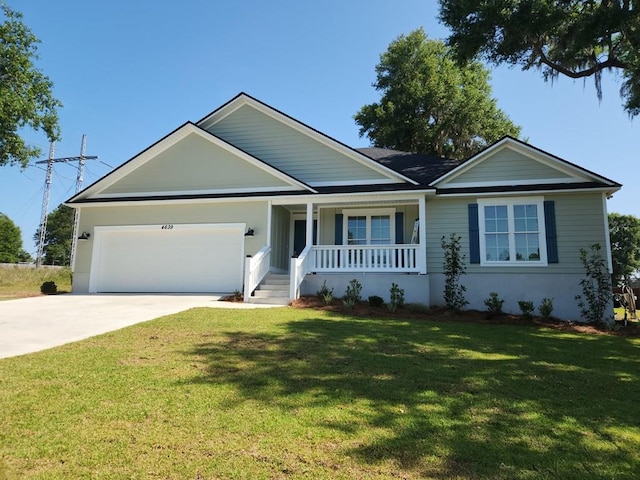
(454, 268)
(526, 307)
(352, 295)
(396, 297)
(49, 288)
(493, 303)
(325, 293)
(596, 287)
(376, 301)
(546, 307)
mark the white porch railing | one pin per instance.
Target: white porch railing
(365, 258)
(299, 268)
(255, 269)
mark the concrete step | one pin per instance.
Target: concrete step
(270, 300)
(274, 290)
(276, 279)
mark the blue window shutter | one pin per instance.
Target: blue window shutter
(399, 227)
(338, 234)
(551, 233)
(474, 234)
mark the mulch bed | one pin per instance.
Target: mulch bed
(632, 329)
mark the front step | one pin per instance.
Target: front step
(273, 290)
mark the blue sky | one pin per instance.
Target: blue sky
(129, 72)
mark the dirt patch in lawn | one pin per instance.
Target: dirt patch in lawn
(363, 309)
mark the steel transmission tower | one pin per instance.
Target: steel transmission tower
(47, 190)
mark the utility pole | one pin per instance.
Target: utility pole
(47, 188)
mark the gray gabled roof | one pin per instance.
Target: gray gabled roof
(424, 169)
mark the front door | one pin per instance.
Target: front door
(300, 235)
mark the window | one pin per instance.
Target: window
(369, 227)
(512, 231)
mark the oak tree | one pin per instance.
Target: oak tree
(575, 38)
(430, 104)
(26, 99)
(624, 233)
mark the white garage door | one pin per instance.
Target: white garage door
(168, 258)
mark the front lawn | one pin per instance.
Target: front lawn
(299, 393)
(21, 281)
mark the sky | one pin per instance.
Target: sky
(129, 72)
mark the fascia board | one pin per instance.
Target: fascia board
(168, 141)
(530, 151)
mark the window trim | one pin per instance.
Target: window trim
(510, 203)
(368, 212)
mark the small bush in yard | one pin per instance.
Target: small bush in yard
(352, 295)
(526, 307)
(49, 288)
(494, 303)
(376, 301)
(596, 286)
(454, 267)
(325, 293)
(546, 307)
(396, 297)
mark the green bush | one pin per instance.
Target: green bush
(526, 307)
(325, 293)
(376, 301)
(454, 268)
(596, 286)
(352, 295)
(494, 303)
(396, 297)
(49, 288)
(546, 307)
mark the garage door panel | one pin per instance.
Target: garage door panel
(183, 258)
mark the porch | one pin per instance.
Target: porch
(377, 237)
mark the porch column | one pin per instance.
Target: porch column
(309, 236)
(422, 233)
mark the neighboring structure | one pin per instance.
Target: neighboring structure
(249, 191)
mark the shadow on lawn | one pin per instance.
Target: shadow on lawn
(508, 402)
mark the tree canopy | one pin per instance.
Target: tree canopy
(575, 38)
(58, 236)
(26, 99)
(624, 233)
(11, 242)
(431, 104)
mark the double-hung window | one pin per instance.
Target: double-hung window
(369, 227)
(512, 231)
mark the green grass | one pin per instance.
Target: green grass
(17, 282)
(286, 393)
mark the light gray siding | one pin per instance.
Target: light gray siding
(195, 163)
(579, 224)
(253, 214)
(506, 165)
(289, 150)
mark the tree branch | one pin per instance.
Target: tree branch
(610, 62)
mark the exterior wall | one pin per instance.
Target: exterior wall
(579, 224)
(280, 221)
(289, 150)
(195, 163)
(561, 288)
(416, 287)
(508, 165)
(327, 221)
(253, 214)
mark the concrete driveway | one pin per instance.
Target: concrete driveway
(32, 324)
